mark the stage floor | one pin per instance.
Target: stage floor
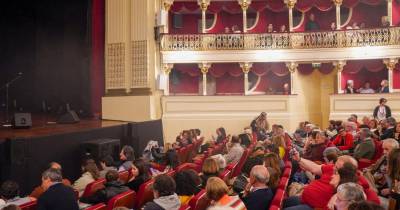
(42, 128)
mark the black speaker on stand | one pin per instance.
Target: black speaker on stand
(99, 148)
(68, 118)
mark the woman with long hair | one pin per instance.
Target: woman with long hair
(272, 160)
(210, 169)
(139, 174)
(260, 126)
(90, 173)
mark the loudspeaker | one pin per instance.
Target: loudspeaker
(69, 117)
(99, 148)
(22, 120)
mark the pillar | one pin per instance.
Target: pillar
(390, 11)
(204, 70)
(339, 67)
(390, 65)
(166, 5)
(203, 6)
(290, 5)
(338, 3)
(167, 67)
(246, 69)
(244, 4)
(292, 67)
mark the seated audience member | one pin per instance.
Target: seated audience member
(260, 126)
(312, 25)
(366, 89)
(272, 160)
(235, 29)
(106, 163)
(198, 133)
(333, 26)
(186, 186)
(235, 151)
(388, 128)
(270, 28)
(11, 207)
(393, 172)
(139, 174)
(90, 174)
(282, 29)
(397, 132)
(217, 192)
(165, 197)
(347, 194)
(257, 194)
(331, 155)
(126, 156)
(210, 169)
(286, 87)
(349, 87)
(9, 193)
(279, 142)
(365, 121)
(364, 205)
(258, 150)
(384, 87)
(274, 177)
(227, 30)
(366, 147)
(355, 25)
(309, 128)
(376, 173)
(351, 127)
(56, 195)
(185, 138)
(39, 190)
(220, 161)
(344, 140)
(331, 130)
(373, 127)
(280, 131)
(112, 187)
(385, 21)
(245, 139)
(354, 119)
(315, 146)
(240, 182)
(382, 111)
(301, 130)
(221, 135)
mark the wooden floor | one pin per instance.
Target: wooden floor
(46, 126)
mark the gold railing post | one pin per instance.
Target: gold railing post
(166, 6)
(292, 67)
(204, 70)
(390, 65)
(246, 67)
(338, 3)
(167, 67)
(203, 6)
(244, 4)
(339, 68)
(390, 11)
(290, 5)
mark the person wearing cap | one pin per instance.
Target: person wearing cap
(344, 140)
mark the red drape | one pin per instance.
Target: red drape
(306, 5)
(269, 81)
(363, 76)
(396, 77)
(187, 84)
(362, 13)
(323, 18)
(276, 6)
(353, 3)
(305, 69)
(353, 67)
(396, 12)
(97, 59)
(261, 69)
(230, 84)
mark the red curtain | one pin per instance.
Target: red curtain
(326, 68)
(306, 5)
(190, 69)
(230, 84)
(97, 59)
(218, 70)
(396, 77)
(305, 69)
(276, 6)
(363, 76)
(362, 13)
(261, 69)
(269, 81)
(353, 3)
(353, 67)
(396, 12)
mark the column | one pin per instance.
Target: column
(166, 5)
(292, 67)
(390, 65)
(244, 4)
(204, 70)
(390, 11)
(203, 6)
(338, 3)
(167, 67)
(339, 67)
(290, 5)
(246, 69)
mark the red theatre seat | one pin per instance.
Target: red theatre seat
(200, 201)
(225, 175)
(238, 167)
(123, 176)
(287, 172)
(187, 166)
(185, 207)
(283, 183)
(93, 187)
(364, 163)
(274, 207)
(278, 198)
(29, 206)
(182, 154)
(126, 199)
(144, 194)
(100, 206)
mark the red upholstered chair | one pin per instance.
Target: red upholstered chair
(100, 206)
(182, 154)
(287, 172)
(236, 170)
(185, 207)
(123, 176)
(29, 206)
(144, 194)
(93, 187)
(278, 198)
(159, 167)
(171, 173)
(288, 164)
(186, 166)
(364, 163)
(199, 201)
(190, 153)
(126, 199)
(283, 183)
(273, 207)
(225, 175)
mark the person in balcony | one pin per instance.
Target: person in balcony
(270, 28)
(384, 87)
(362, 25)
(235, 29)
(355, 26)
(382, 111)
(333, 26)
(385, 21)
(312, 25)
(227, 30)
(366, 89)
(349, 87)
(282, 29)
(286, 89)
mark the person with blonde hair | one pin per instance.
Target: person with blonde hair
(279, 141)
(217, 192)
(210, 169)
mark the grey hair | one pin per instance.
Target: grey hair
(260, 173)
(53, 174)
(352, 192)
(367, 132)
(391, 121)
(392, 142)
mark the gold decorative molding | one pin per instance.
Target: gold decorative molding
(390, 63)
(203, 4)
(167, 67)
(246, 67)
(290, 3)
(337, 2)
(339, 65)
(167, 4)
(244, 4)
(139, 64)
(204, 67)
(292, 66)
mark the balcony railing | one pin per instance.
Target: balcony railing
(306, 40)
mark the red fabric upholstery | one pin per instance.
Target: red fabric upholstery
(274, 207)
(93, 187)
(286, 172)
(238, 167)
(100, 206)
(199, 201)
(182, 154)
(29, 206)
(225, 175)
(278, 198)
(283, 183)
(187, 166)
(123, 176)
(288, 164)
(364, 163)
(185, 207)
(126, 199)
(144, 194)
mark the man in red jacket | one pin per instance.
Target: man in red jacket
(344, 140)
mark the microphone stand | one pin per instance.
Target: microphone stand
(7, 122)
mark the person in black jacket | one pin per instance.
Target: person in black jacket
(388, 126)
(382, 111)
(257, 194)
(57, 196)
(165, 197)
(139, 172)
(112, 188)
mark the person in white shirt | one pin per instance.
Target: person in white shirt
(366, 89)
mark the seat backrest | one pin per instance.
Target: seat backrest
(199, 201)
(238, 167)
(29, 206)
(187, 166)
(225, 175)
(378, 150)
(283, 183)
(182, 154)
(286, 172)
(126, 199)
(100, 206)
(185, 207)
(144, 194)
(278, 198)
(273, 207)
(91, 188)
(123, 176)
